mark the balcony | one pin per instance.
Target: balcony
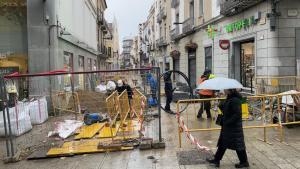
(161, 15)
(161, 42)
(232, 7)
(175, 3)
(188, 25)
(174, 33)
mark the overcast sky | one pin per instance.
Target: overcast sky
(129, 13)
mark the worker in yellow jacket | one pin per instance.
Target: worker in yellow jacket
(205, 94)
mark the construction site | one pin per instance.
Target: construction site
(91, 124)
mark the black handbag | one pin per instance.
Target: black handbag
(219, 120)
(220, 116)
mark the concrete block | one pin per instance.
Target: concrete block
(158, 145)
(286, 32)
(287, 42)
(262, 53)
(281, 71)
(261, 44)
(262, 62)
(145, 145)
(261, 71)
(282, 61)
(276, 52)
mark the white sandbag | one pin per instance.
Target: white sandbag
(19, 120)
(38, 110)
(101, 88)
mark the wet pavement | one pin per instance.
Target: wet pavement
(261, 155)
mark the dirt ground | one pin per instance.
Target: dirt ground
(261, 155)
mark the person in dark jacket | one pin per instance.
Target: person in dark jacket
(232, 135)
(121, 87)
(168, 91)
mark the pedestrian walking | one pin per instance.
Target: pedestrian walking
(168, 91)
(232, 135)
(205, 94)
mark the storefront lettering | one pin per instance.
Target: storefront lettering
(242, 24)
(4, 55)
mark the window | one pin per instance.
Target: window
(89, 63)
(68, 66)
(109, 51)
(95, 65)
(81, 63)
(192, 9)
(201, 8)
(81, 69)
(68, 61)
(208, 58)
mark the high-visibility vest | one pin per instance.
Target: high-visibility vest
(206, 92)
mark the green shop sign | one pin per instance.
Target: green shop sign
(236, 26)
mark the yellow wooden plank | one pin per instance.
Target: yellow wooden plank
(54, 152)
(89, 131)
(106, 131)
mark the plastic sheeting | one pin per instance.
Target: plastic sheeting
(65, 129)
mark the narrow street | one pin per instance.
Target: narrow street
(261, 155)
(83, 82)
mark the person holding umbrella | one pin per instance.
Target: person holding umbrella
(231, 135)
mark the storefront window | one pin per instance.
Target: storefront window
(208, 58)
(68, 66)
(81, 69)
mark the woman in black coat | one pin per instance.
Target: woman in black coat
(232, 135)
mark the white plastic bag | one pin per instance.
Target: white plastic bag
(19, 120)
(38, 110)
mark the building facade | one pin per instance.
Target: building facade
(52, 35)
(127, 53)
(112, 46)
(263, 42)
(250, 41)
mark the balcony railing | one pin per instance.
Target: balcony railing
(232, 7)
(188, 25)
(175, 3)
(161, 42)
(174, 33)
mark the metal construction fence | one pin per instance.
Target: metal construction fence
(258, 112)
(73, 112)
(273, 85)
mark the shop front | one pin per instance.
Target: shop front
(247, 48)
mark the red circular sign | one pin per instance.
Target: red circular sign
(224, 44)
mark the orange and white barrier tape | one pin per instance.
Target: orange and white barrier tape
(189, 135)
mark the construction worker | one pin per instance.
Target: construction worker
(168, 91)
(205, 94)
(122, 86)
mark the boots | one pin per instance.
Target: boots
(242, 165)
(214, 162)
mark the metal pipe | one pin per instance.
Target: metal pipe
(3, 104)
(8, 120)
(74, 73)
(159, 102)
(245, 127)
